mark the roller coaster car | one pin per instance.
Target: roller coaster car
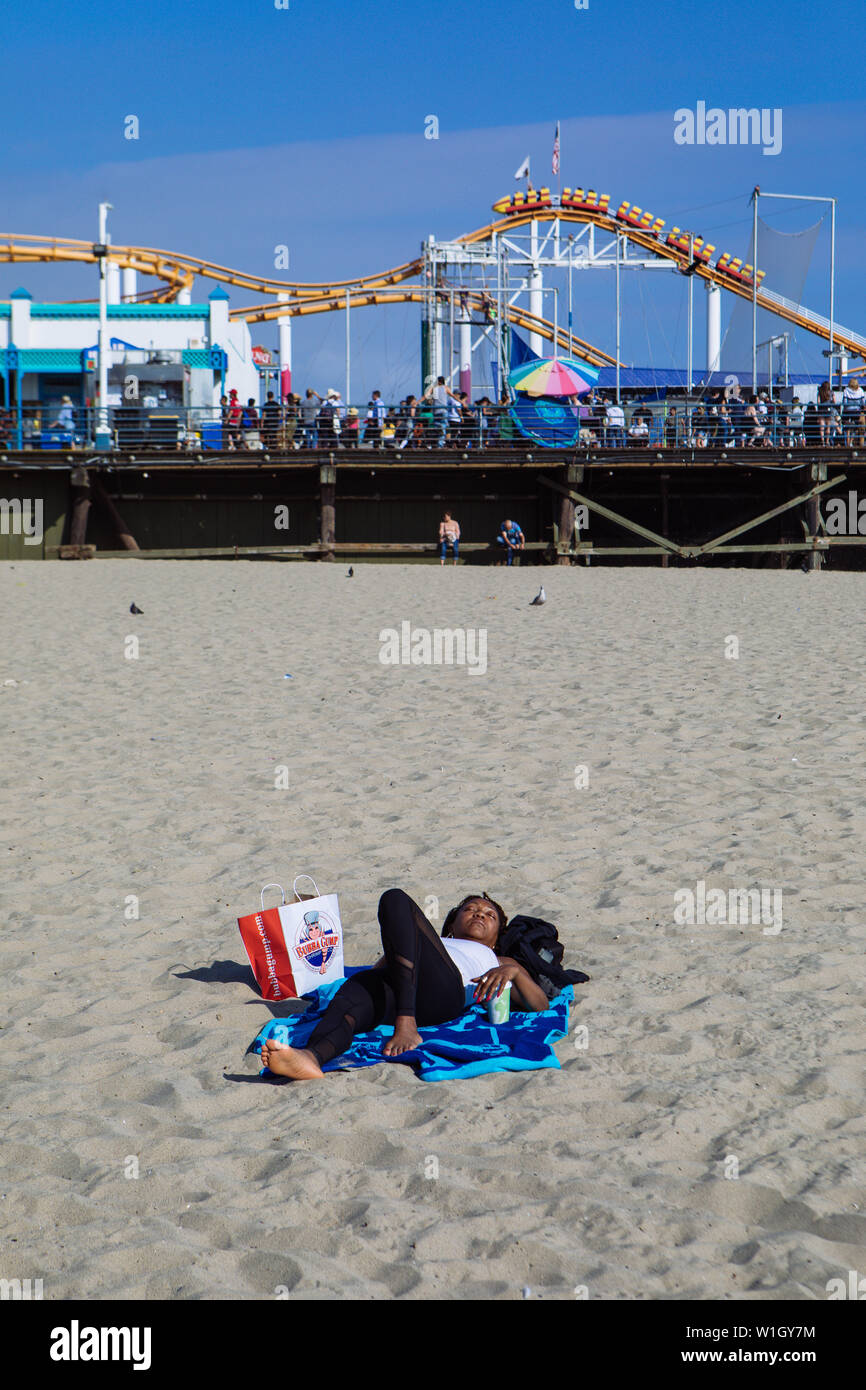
(736, 269)
(702, 251)
(590, 201)
(678, 239)
(519, 202)
(516, 202)
(634, 216)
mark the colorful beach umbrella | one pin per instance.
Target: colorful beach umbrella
(554, 376)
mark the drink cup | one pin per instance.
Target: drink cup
(499, 1008)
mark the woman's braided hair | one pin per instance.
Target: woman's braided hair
(471, 897)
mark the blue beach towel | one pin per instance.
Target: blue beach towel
(465, 1046)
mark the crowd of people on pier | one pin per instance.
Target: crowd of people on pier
(439, 418)
(443, 418)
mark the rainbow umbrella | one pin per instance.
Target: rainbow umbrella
(554, 376)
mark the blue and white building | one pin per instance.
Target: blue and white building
(177, 357)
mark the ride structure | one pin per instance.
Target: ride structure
(470, 288)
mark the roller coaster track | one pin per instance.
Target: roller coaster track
(178, 271)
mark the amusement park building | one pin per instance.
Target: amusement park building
(162, 355)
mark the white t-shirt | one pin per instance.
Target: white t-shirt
(471, 957)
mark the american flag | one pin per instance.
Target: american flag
(556, 151)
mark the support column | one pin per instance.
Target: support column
(438, 359)
(572, 475)
(79, 505)
(284, 325)
(536, 283)
(819, 475)
(124, 535)
(113, 282)
(714, 327)
(465, 352)
(664, 490)
(327, 498)
(128, 285)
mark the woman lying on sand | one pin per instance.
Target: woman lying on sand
(421, 979)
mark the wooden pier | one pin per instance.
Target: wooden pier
(668, 507)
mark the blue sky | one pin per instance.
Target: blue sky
(261, 126)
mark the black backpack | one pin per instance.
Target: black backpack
(535, 945)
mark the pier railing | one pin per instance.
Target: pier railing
(204, 431)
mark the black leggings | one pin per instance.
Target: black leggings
(418, 978)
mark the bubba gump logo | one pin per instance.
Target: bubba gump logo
(317, 939)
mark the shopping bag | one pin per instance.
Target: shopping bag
(296, 947)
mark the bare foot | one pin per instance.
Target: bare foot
(295, 1062)
(405, 1037)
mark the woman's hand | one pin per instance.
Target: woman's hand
(491, 984)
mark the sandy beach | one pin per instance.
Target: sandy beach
(706, 1142)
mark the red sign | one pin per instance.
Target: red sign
(262, 357)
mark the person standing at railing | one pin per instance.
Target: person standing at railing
(291, 419)
(65, 416)
(234, 419)
(824, 413)
(309, 413)
(737, 413)
(853, 403)
(440, 395)
(672, 428)
(485, 411)
(796, 425)
(375, 419)
(723, 431)
(638, 432)
(327, 423)
(271, 419)
(454, 433)
(407, 420)
(757, 430)
(464, 422)
(614, 435)
(351, 428)
(339, 414)
(252, 438)
(505, 422)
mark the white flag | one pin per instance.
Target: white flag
(523, 171)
